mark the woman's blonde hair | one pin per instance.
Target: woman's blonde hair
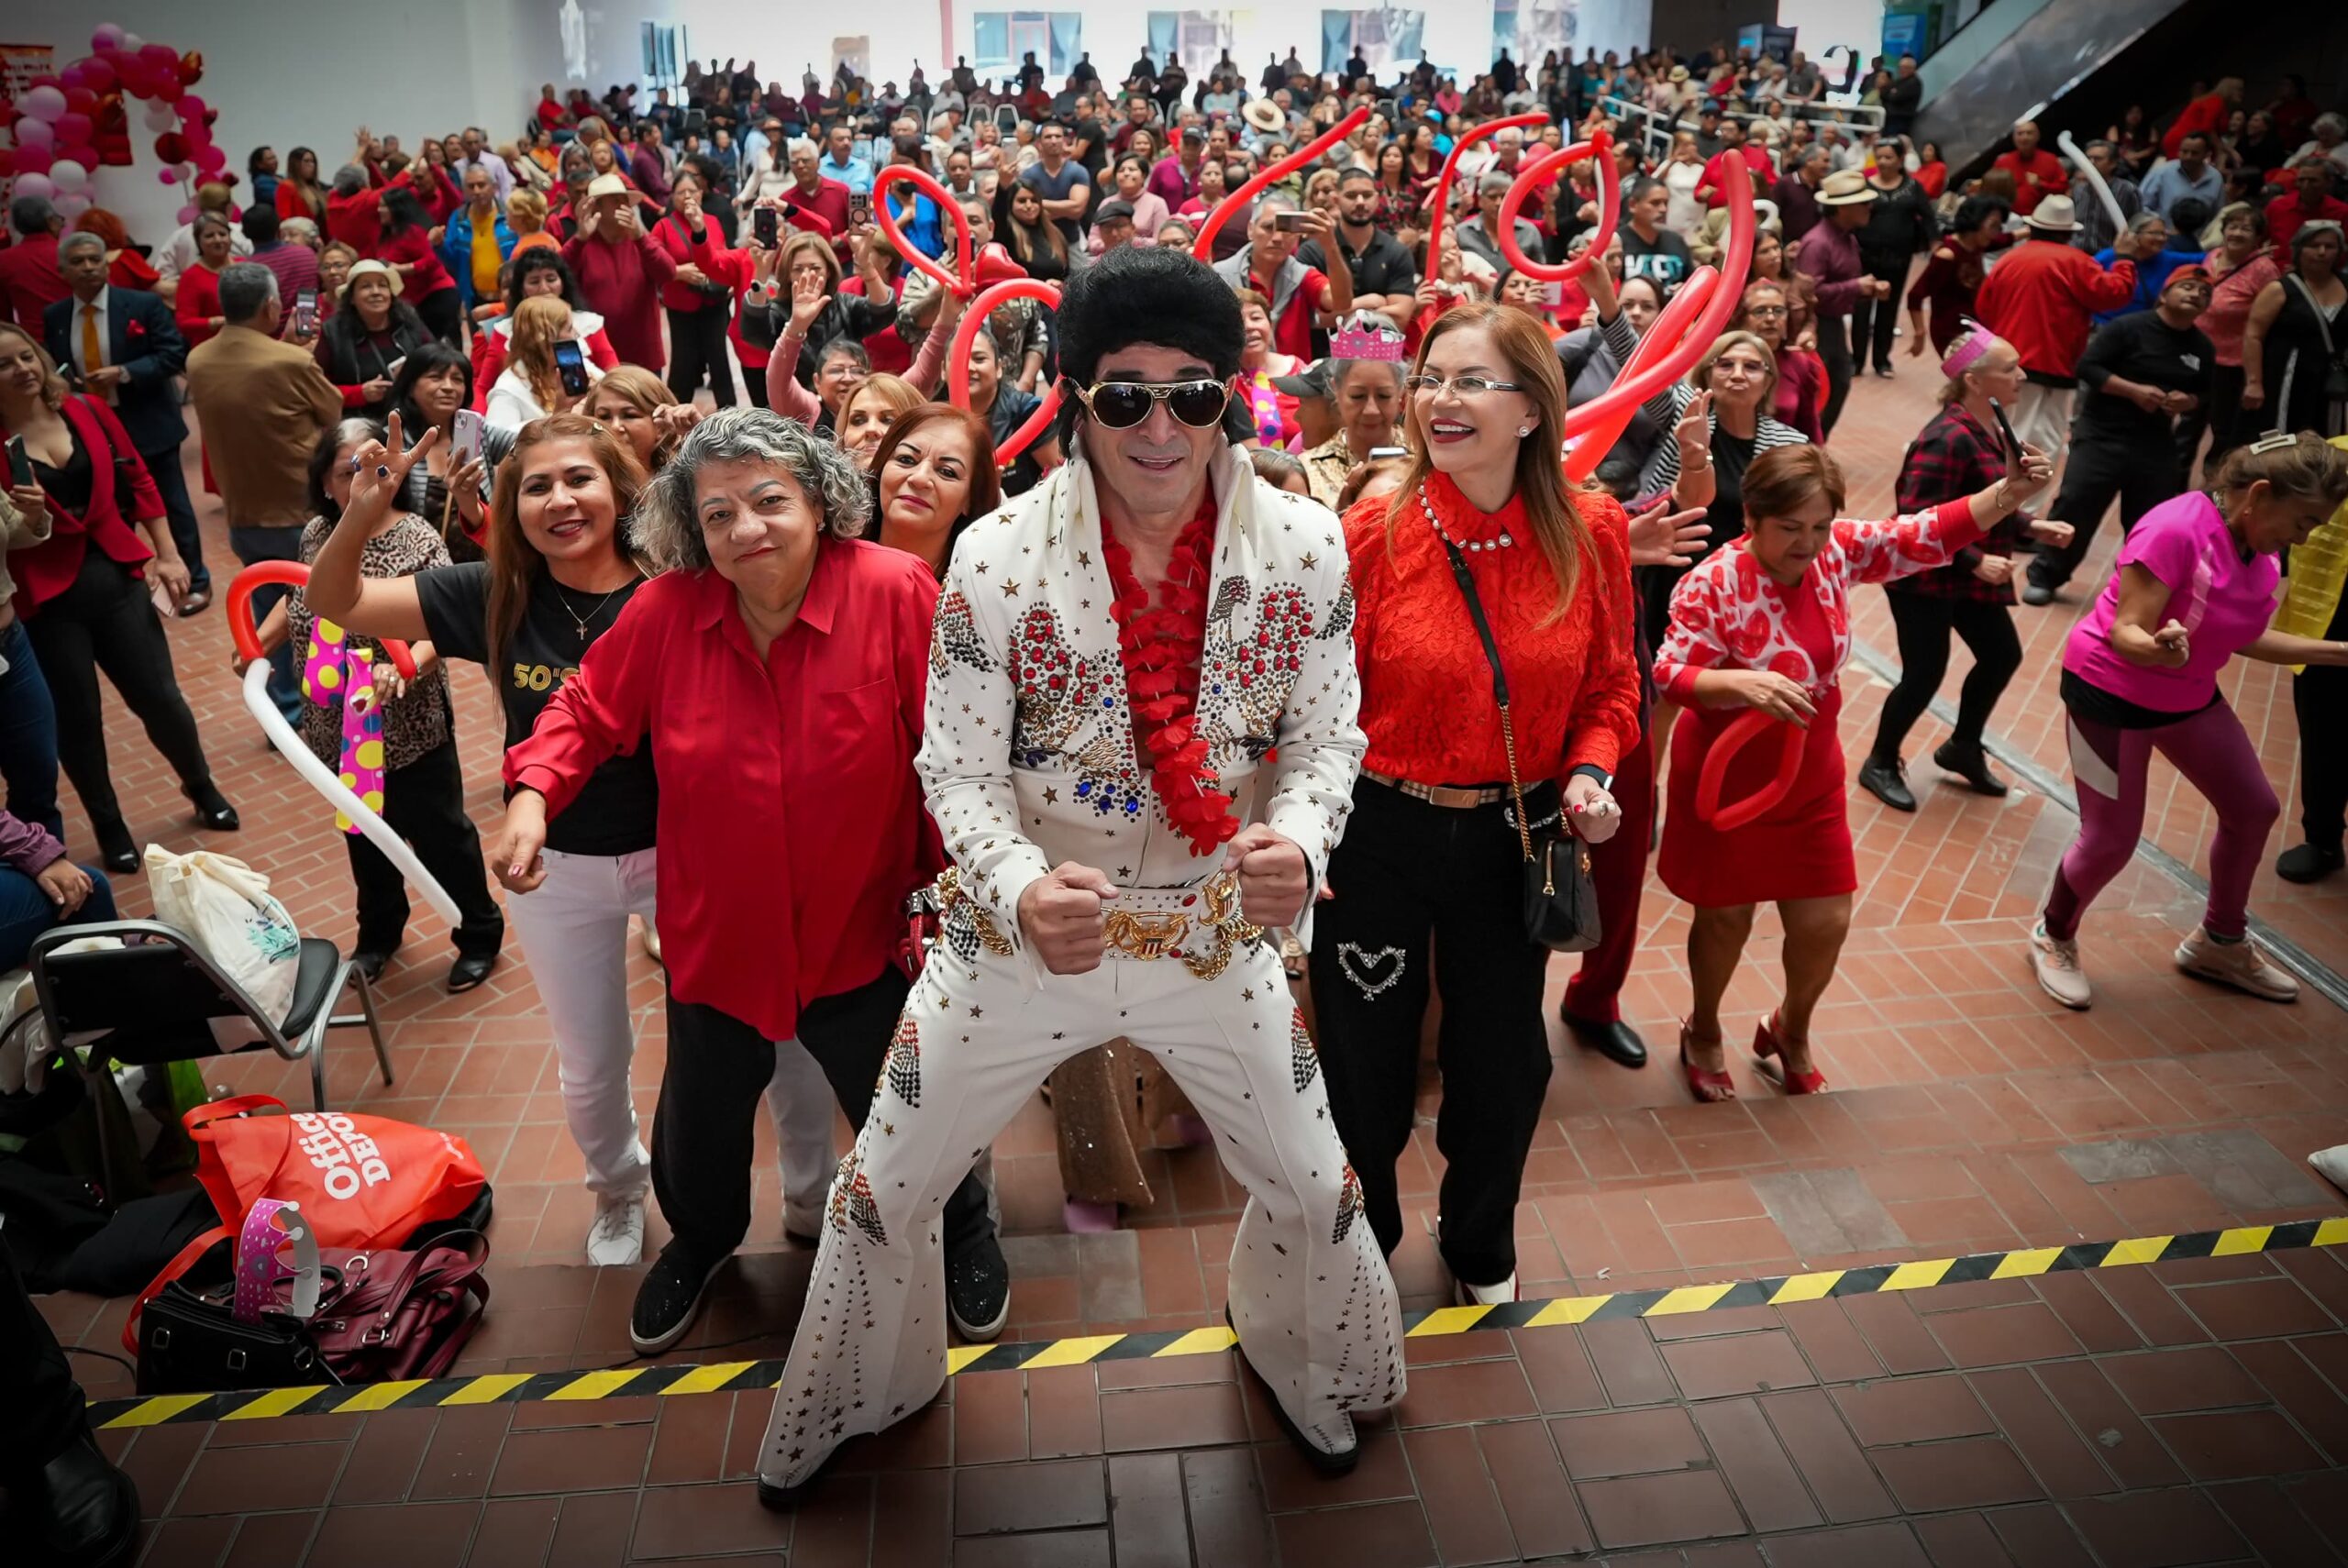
(2305, 467)
(1701, 377)
(821, 249)
(898, 394)
(52, 384)
(1557, 526)
(525, 211)
(643, 392)
(541, 322)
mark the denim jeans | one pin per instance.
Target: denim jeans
(26, 911)
(27, 733)
(253, 545)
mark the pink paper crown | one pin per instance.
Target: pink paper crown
(1357, 341)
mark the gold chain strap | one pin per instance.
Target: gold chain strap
(1515, 789)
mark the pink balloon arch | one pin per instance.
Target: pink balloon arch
(68, 124)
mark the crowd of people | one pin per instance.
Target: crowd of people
(646, 414)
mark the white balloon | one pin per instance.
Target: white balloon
(131, 43)
(34, 185)
(71, 204)
(31, 132)
(160, 117)
(67, 175)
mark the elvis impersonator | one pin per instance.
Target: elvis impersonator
(1124, 659)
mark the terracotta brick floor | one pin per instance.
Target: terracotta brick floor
(2188, 1413)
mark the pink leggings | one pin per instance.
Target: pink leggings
(2109, 766)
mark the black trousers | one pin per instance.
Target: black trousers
(697, 348)
(1925, 622)
(754, 380)
(1875, 323)
(36, 1386)
(2222, 417)
(1835, 348)
(105, 621)
(443, 310)
(425, 804)
(702, 1133)
(2140, 474)
(2319, 698)
(164, 467)
(1413, 880)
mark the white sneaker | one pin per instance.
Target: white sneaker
(1484, 1295)
(2240, 965)
(2332, 1164)
(616, 1239)
(2057, 963)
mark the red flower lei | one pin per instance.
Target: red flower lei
(1160, 646)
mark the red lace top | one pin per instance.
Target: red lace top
(1426, 689)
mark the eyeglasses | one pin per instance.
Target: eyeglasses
(1764, 311)
(1466, 386)
(1121, 406)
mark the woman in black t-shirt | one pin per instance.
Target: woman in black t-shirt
(559, 571)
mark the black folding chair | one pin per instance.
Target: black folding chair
(153, 1000)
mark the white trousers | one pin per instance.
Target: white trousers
(1309, 1294)
(2042, 416)
(575, 933)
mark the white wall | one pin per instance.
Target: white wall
(309, 72)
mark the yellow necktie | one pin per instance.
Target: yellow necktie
(92, 354)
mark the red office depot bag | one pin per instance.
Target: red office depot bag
(363, 1182)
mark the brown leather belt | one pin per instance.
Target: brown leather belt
(1442, 795)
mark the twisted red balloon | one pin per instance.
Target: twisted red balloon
(1203, 246)
(1603, 419)
(1663, 358)
(957, 360)
(1451, 166)
(1600, 146)
(1742, 732)
(246, 634)
(961, 279)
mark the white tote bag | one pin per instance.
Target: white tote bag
(225, 908)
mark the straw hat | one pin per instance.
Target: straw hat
(2055, 214)
(1265, 115)
(369, 270)
(604, 185)
(1844, 188)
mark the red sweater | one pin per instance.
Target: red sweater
(197, 303)
(622, 284)
(2051, 177)
(2208, 113)
(354, 221)
(669, 235)
(414, 247)
(292, 204)
(2043, 299)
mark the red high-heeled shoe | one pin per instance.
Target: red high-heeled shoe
(1708, 1085)
(1766, 1045)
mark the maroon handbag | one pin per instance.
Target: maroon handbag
(385, 1316)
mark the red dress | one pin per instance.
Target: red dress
(1800, 849)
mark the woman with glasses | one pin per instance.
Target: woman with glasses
(1482, 547)
(1765, 629)
(1800, 391)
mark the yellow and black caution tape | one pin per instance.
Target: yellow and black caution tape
(519, 1387)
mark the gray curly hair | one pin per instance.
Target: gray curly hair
(667, 525)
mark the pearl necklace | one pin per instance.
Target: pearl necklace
(1472, 545)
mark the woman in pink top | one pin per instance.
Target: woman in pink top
(2195, 585)
(2243, 264)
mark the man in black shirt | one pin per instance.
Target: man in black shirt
(2141, 371)
(1090, 148)
(1385, 278)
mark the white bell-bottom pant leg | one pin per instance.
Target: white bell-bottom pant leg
(1310, 1293)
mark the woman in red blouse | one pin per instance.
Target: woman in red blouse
(777, 673)
(1764, 627)
(198, 304)
(299, 191)
(406, 248)
(1433, 857)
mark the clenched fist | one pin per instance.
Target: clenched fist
(1060, 915)
(1274, 879)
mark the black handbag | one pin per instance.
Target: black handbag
(187, 1340)
(1560, 901)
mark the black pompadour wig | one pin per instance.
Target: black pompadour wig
(1154, 295)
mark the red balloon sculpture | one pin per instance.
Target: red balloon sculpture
(1742, 731)
(961, 279)
(957, 360)
(1600, 146)
(246, 634)
(1203, 246)
(1442, 200)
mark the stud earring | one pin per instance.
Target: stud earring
(1522, 431)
